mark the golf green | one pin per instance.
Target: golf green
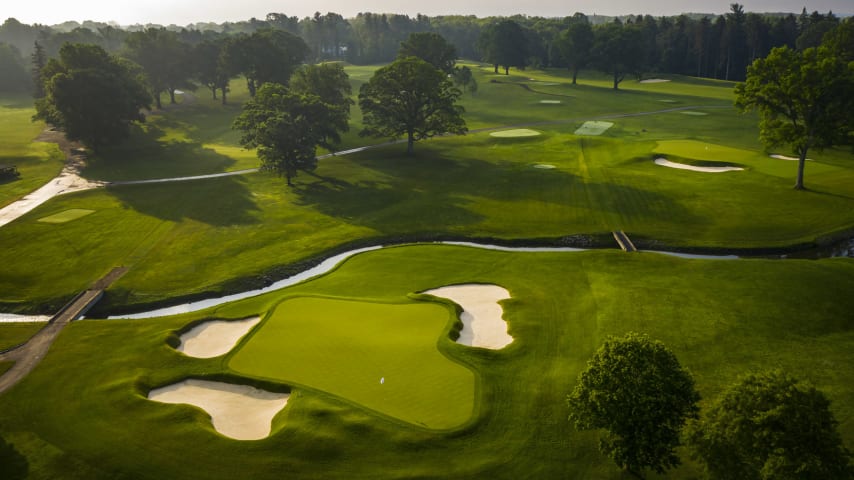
(381, 356)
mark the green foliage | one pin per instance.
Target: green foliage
(265, 56)
(803, 98)
(165, 59)
(636, 390)
(91, 95)
(331, 84)
(410, 97)
(769, 426)
(618, 50)
(287, 127)
(14, 77)
(38, 60)
(210, 67)
(504, 44)
(575, 44)
(432, 48)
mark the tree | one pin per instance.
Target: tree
(286, 127)
(618, 50)
(331, 84)
(92, 95)
(409, 96)
(504, 44)
(803, 98)
(15, 77)
(265, 56)
(635, 389)
(164, 58)
(575, 44)
(432, 48)
(13, 465)
(464, 78)
(38, 59)
(211, 68)
(769, 426)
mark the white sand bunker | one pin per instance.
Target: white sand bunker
(654, 80)
(786, 157)
(515, 133)
(483, 325)
(237, 411)
(550, 102)
(667, 163)
(215, 338)
(593, 128)
(544, 166)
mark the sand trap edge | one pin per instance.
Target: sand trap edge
(663, 162)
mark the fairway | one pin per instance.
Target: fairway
(380, 356)
(66, 216)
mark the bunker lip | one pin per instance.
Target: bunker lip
(215, 337)
(681, 166)
(241, 412)
(482, 316)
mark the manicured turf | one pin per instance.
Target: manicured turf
(66, 216)
(381, 356)
(721, 318)
(37, 162)
(15, 333)
(593, 128)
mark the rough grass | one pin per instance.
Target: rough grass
(13, 334)
(381, 356)
(721, 318)
(37, 162)
(66, 216)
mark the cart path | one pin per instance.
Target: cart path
(31, 353)
(69, 180)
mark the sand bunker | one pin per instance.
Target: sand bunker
(215, 338)
(786, 157)
(483, 325)
(13, 318)
(654, 80)
(516, 133)
(550, 102)
(544, 166)
(695, 114)
(237, 411)
(667, 163)
(593, 128)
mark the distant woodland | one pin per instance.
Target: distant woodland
(700, 45)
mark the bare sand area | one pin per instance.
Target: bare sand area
(241, 412)
(654, 80)
(786, 157)
(14, 318)
(681, 166)
(216, 337)
(483, 325)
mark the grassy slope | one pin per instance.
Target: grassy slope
(720, 318)
(469, 186)
(37, 162)
(13, 334)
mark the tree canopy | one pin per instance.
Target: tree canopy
(286, 127)
(92, 95)
(618, 50)
(504, 44)
(164, 58)
(769, 426)
(265, 56)
(636, 390)
(411, 97)
(331, 84)
(432, 48)
(803, 98)
(15, 77)
(575, 44)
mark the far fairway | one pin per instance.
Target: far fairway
(381, 356)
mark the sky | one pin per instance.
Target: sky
(183, 12)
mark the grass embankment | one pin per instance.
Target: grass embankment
(721, 319)
(13, 334)
(37, 162)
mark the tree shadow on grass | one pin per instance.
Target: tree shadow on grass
(225, 201)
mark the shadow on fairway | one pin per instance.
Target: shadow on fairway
(221, 202)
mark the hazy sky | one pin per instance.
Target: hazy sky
(182, 12)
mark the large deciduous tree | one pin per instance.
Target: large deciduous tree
(14, 76)
(575, 43)
(410, 97)
(266, 56)
(768, 426)
(636, 390)
(211, 68)
(92, 95)
(618, 50)
(504, 44)
(331, 84)
(286, 127)
(432, 48)
(164, 58)
(804, 100)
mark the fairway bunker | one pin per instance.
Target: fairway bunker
(544, 166)
(515, 133)
(215, 338)
(654, 80)
(240, 412)
(681, 166)
(483, 325)
(786, 157)
(550, 102)
(593, 128)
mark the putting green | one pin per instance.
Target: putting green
(381, 356)
(66, 216)
(516, 133)
(593, 128)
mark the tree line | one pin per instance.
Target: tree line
(719, 46)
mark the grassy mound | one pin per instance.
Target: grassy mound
(380, 356)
